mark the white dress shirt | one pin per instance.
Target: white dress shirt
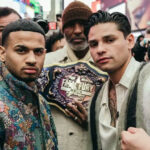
(107, 132)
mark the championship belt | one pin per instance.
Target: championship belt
(63, 83)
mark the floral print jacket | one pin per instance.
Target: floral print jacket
(25, 118)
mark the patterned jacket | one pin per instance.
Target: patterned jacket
(25, 118)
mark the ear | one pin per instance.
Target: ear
(2, 53)
(130, 40)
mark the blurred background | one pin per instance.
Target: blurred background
(138, 11)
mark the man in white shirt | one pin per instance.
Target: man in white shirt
(76, 48)
(118, 105)
(72, 133)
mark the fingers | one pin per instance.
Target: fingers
(133, 138)
(73, 116)
(82, 112)
(124, 135)
(77, 112)
(135, 130)
(132, 130)
(80, 106)
(123, 145)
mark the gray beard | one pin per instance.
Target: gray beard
(80, 47)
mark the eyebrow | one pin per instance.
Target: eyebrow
(22, 46)
(109, 36)
(92, 40)
(104, 37)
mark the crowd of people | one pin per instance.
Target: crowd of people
(90, 93)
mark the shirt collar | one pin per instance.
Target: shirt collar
(129, 73)
(125, 81)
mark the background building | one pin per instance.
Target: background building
(26, 8)
(138, 11)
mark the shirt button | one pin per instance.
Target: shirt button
(71, 133)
